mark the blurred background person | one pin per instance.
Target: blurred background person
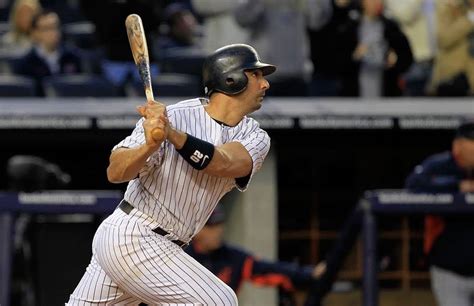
(448, 239)
(379, 54)
(219, 25)
(21, 14)
(180, 29)
(234, 265)
(47, 56)
(327, 49)
(109, 16)
(453, 71)
(277, 30)
(418, 22)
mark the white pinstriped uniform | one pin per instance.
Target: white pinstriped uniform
(130, 262)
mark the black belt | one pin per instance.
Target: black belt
(127, 208)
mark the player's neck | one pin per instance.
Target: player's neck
(224, 109)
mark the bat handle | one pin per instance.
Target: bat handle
(149, 94)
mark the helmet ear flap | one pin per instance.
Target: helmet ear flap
(236, 82)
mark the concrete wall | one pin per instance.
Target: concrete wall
(252, 224)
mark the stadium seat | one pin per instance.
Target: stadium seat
(172, 85)
(8, 58)
(4, 27)
(79, 85)
(186, 61)
(16, 86)
(80, 34)
(69, 11)
(5, 12)
(282, 86)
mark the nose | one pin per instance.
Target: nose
(265, 84)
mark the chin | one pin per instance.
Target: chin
(257, 107)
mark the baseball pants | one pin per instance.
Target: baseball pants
(451, 289)
(132, 264)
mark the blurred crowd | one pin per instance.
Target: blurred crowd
(350, 48)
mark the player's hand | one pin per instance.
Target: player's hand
(151, 109)
(466, 186)
(150, 124)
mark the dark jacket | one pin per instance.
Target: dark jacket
(34, 66)
(453, 248)
(342, 33)
(233, 266)
(109, 17)
(327, 44)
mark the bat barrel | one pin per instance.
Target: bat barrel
(139, 48)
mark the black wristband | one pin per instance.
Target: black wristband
(198, 153)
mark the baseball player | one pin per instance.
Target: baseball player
(210, 147)
(448, 239)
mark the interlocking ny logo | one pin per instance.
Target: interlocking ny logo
(198, 157)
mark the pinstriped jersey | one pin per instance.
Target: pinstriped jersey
(179, 197)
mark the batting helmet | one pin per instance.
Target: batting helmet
(223, 71)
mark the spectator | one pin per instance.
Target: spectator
(109, 17)
(328, 47)
(380, 53)
(277, 29)
(453, 71)
(21, 14)
(181, 29)
(417, 20)
(47, 56)
(219, 25)
(234, 265)
(448, 240)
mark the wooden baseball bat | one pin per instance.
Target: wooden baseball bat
(137, 40)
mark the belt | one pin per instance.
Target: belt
(127, 208)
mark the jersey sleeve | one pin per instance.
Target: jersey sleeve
(257, 142)
(137, 138)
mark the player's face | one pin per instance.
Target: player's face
(256, 87)
(210, 237)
